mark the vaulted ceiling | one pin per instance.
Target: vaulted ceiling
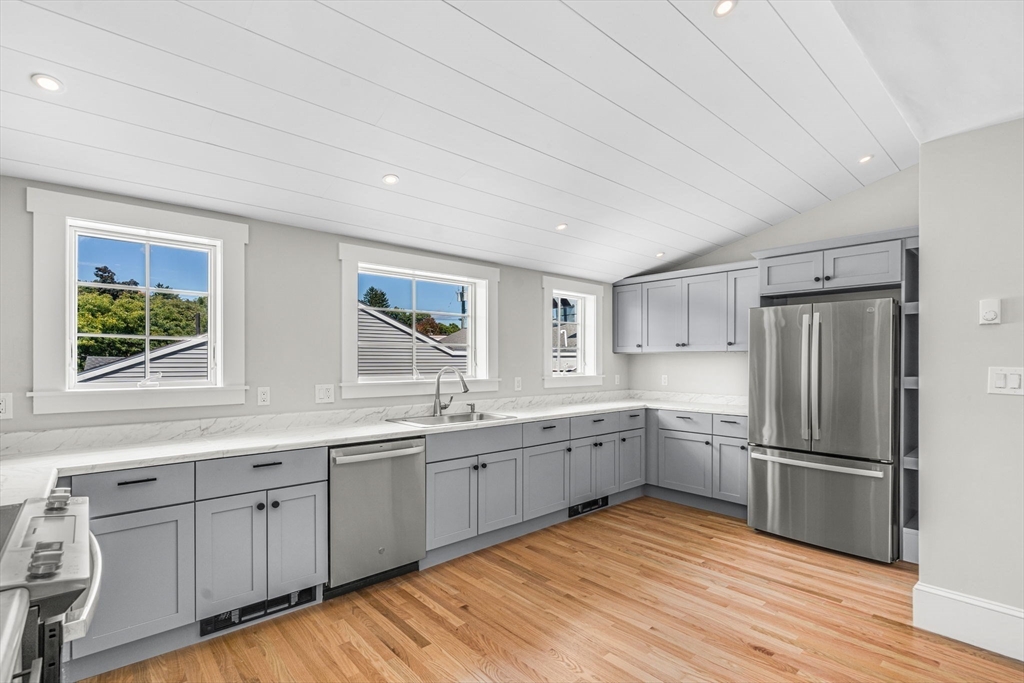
(646, 127)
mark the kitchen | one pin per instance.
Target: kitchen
(413, 375)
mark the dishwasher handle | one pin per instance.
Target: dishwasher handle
(383, 455)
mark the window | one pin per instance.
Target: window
(406, 316)
(571, 333)
(142, 308)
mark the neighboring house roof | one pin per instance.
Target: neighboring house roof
(455, 338)
(569, 339)
(187, 359)
(384, 348)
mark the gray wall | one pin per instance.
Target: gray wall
(972, 442)
(885, 205)
(293, 326)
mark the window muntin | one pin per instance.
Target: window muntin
(142, 308)
(568, 331)
(392, 347)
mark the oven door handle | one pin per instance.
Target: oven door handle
(78, 620)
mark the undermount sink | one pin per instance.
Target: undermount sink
(454, 419)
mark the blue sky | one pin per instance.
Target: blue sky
(430, 296)
(177, 268)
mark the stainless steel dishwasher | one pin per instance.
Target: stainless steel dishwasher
(378, 512)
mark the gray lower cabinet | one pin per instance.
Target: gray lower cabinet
(500, 490)
(606, 465)
(581, 471)
(148, 576)
(632, 458)
(451, 501)
(729, 470)
(704, 312)
(231, 553)
(685, 462)
(791, 273)
(628, 306)
(545, 479)
(743, 294)
(296, 538)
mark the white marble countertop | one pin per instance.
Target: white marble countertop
(34, 474)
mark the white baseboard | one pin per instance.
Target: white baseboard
(987, 624)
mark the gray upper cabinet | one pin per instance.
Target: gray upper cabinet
(231, 553)
(500, 490)
(704, 312)
(729, 470)
(628, 309)
(663, 316)
(581, 471)
(451, 501)
(792, 273)
(148, 576)
(632, 458)
(864, 264)
(743, 294)
(545, 479)
(296, 538)
(685, 462)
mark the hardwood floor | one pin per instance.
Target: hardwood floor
(645, 591)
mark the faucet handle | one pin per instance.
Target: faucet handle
(445, 406)
(472, 407)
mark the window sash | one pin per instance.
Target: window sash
(556, 346)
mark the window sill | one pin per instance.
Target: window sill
(573, 381)
(96, 400)
(415, 388)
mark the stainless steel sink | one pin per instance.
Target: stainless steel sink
(454, 419)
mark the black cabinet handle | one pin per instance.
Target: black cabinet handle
(623, 439)
(817, 279)
(639, 346)
(683, 417)
(568, 450)
(729, 422)
(476, 467)
(827, 278)
(743, 448)
(601, 420)
(136, 481)
(484, 465)
(707, 443)
(729, 343)
(678, 345)
(275, 505)
(261, 506)
(266, 464)
(636, 415)
(549, 427)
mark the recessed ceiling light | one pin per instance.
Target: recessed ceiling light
(723, 7)
(561, 226)
(47, 82)
(390, 179)
(866, 159)
(660, 254)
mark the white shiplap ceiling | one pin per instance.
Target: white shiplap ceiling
(647, 127)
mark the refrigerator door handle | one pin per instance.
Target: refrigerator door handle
(805, 325)
(816, 375)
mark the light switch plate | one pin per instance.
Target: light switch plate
(324, 393)
(1006, 381)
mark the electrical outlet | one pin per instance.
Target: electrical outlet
(664, 380)
(519, 383)
(263, 396)
(324, 393)
(616, 379)
(6, 406)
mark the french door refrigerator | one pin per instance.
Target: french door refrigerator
(823, 424)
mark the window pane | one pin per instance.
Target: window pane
(111, 311)
(178, 315)
(384, 343)
(385, 291)
(431, 356)
(441, 297)
(175, 268)
(104, 360)
(111, 261)
(187, 359)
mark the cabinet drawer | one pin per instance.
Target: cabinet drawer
(632, 419)
(142, 488)
(684, 421)
(591, 425)
(228, 476)
(451, 445)
(731, 425)
(549, 431)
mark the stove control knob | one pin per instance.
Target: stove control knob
(41, 570)
(43, 557)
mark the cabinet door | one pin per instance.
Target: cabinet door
(704, 312)
(231, 553)
(793, 273)
(663, 315)
(451, 501)
(296, 538)
(744, 294)
(545, 479)
(581, 471)
(627, 312)
(606, 465)
(684, 462)
(631, 459)
(729, 470)
(864, 264)
(149, 576)
(500, 490)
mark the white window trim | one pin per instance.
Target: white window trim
(485, 317)
(52, 321)
(593, 295)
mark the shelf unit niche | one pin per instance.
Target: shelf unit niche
(909, 401)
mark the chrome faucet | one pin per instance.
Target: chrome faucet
(439, 407)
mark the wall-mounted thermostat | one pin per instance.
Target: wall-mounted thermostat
(989, 313)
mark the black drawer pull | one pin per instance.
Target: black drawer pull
(729, 422)
(549, 427)
(601, 420)
(637, 415)
(136, 481)
(683, 417)
(266, 464)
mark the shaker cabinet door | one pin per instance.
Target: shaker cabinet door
(451, 501)
(684, 462)
(627, 313)
(545, 479)
(606, 465)
(792, 273)
(663, 316)
(729, 467)
(231, 553)
(581, 471)
(744, 294)
(500, 490)
(632, 457)
(704, 312)
(296, 538)
(864, 264)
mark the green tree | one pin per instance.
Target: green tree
(375, 298)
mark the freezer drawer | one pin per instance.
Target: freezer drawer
(836, 503)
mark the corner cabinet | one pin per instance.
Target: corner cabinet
(627, 304)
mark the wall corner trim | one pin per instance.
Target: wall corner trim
(986, 624)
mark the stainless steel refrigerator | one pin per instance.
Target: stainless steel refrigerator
(823, 424)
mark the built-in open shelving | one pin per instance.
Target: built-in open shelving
(909, 402)
(911, 308)
(910, 460)
(910, 382)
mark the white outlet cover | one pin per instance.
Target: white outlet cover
(324, 393)
(6, 406)
(664, 380)
(616, 379)
(519, 383)
(263, 396)
(1006, 381)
